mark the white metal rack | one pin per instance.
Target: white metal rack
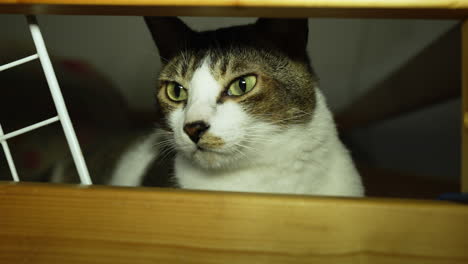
(62, 113)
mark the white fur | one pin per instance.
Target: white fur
(258, 156)
(133, 164)
(201, 104)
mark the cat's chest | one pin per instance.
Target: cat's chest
(295, 176)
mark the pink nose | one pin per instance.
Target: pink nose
(195, 130)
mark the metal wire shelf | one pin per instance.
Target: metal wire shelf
(62, 112)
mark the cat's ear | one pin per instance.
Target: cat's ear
(288, 34)
(169, 33)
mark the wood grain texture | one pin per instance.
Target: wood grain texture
(66, 224)
(265, 8)
(464, 119)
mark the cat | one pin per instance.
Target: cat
(243, 112)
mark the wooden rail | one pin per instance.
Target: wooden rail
(41, 223)
(455, 9)
(464, 116)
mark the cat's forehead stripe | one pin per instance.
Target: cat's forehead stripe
(186, 63)
(184, 67)
(223, 66)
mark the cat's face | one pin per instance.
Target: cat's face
(225, 93)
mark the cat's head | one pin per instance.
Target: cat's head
(226, 93)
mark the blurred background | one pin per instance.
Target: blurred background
(394, 86)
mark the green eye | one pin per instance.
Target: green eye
(176, 92)
(242, 85)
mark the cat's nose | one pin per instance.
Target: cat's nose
(195, 130)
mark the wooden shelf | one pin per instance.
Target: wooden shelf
(43, 223)
(267, 8)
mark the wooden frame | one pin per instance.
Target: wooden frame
(42, 223)
(464, 180)
(266, 8)
(64, 224)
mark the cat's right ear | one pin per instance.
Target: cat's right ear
(169, 33)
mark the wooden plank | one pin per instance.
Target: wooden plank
(66, 224)
(253, 8)
(430, 77)
(464, 65)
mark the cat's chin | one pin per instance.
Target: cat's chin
(212, 159)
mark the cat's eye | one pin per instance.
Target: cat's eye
(242, 85)
(176, 92)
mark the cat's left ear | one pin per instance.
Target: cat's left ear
(289, 34)
(169, 33)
